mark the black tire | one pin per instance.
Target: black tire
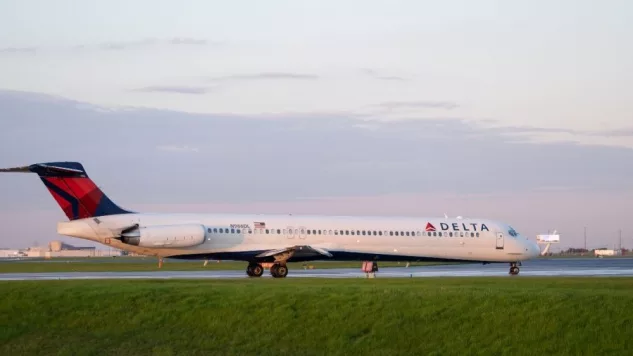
(257, 270)
(282, 271)
(273, 270)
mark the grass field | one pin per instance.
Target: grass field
(452, 316)
(151, 264)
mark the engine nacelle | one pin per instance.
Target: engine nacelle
(168, 236)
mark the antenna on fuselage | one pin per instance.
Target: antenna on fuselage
(445, 216)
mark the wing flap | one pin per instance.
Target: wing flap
(299, 249)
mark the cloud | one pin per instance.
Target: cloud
(175, 89)
(177, 41)
(534, 130)
(177, 148)
(267, 76)
(391, 105)
(119, 45)
(615, 133)
(297, 155)
(374, 74)
(18, 50)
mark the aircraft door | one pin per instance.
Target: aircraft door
(290, 232)
(499, 240)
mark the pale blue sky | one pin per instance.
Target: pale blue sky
(518, 83)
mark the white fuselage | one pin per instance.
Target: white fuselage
(242, 236)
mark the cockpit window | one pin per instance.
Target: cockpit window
(512, 232)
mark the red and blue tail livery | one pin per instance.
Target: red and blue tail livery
(74, 191)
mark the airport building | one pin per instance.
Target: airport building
(60, 249)
(605, 252)
(8, 253)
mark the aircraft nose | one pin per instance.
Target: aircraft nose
(534, 249)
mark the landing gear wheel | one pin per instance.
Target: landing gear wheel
(279, 271)
(514, 270)
(282, 271)
(254, 270)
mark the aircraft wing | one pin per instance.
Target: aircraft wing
(298, 251)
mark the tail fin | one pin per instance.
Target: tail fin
(73, 190)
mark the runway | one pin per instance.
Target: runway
(588, 267)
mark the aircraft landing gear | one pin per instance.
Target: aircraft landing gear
(514, 270)
(254, 270)
(279, 270)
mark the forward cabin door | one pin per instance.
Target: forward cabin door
(499, 240)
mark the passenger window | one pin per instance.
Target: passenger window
(238, 231)
(250, 231)
(450, 234)
(308, 232)
(418, 233)
(215, 229)
(477, 234)
(380, 233)
(279, 231)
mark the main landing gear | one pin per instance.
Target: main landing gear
(277, 270)
(254, 270)
(514, 270)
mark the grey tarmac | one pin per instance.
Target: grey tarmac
(587, 267)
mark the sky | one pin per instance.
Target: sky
(520, 111)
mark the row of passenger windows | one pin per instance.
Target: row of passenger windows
(346, 232)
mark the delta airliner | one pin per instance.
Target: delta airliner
(276, 239)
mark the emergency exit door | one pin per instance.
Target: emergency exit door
(499, 240)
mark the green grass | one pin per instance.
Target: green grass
(151, 264)
(431, 316)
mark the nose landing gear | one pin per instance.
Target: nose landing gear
(514, 269)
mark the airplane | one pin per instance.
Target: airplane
(274, 239)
